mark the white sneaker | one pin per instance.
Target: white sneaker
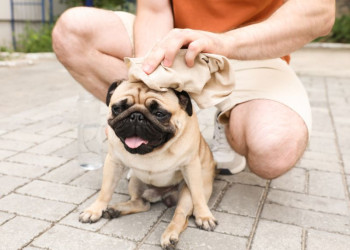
(227, 160)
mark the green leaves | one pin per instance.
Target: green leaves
(35, 39)
(340, 32)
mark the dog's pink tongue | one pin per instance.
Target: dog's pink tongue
(135, 142)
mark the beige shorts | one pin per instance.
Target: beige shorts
(271, 79)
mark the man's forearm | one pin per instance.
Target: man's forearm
(153, 21)
(296, 23)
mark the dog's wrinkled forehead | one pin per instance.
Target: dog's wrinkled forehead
(135, 93)
(128, 94)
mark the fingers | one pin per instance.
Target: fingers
(194, 49)
(153, 60)
(166, 50)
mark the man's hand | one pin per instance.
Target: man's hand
(196, 41)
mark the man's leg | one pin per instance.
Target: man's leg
(272, 136)
(91, 43)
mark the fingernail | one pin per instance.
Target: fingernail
(147, 69)
(166, 63)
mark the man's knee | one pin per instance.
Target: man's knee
(271, 136)
(69, 30)
(272, 156)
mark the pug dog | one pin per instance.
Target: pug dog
(156, 135)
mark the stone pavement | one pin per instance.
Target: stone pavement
(42, 189)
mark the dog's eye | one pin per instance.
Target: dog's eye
(116, 109)
(159, 114)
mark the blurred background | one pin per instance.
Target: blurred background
(26, 25)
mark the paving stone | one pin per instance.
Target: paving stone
(21, 170)
(334, 158)
(321, 117)
(50, 146)
(19, 231)
(307, 218)
(326, 184)
(25, 137)
(38, 126)
(122, 187)
(35, 207)
(91, 179)
(73, 134)
(38, 160)
(326, 166)
(193, 238)
(14, 145)
(57, 192)
(63, 237)
(309, 202)
(218, 187)
(322, 145)
(6, 153)
(10, 124)
(58, 129)
(125, 226)
(342, 130)
(245, 177)
(5, 217)
(10, 183)
(327, 241)
(273, 235)
(149, 247)
(233, 224)
(294, 180)
(46, 113)
(32, 248)
(241, 199)
(69, 151)
(65, 173)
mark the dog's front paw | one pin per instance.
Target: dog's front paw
(205, 220)
(206, 223)
(89, 216)
(93, 213)
(110, 213)
(169, 240)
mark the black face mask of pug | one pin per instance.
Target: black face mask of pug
(156, 134)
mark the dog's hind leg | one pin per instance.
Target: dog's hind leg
(136, 203)
(179, 221)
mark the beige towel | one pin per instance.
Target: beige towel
(209, 82)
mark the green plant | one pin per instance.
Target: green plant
(340, 32)
(125, 5)
(35, 40)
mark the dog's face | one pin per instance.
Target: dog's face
(144, 119)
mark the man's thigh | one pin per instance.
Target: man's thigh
(103, 30)
(272, 80)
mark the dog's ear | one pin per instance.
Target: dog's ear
(111, 89)
(185, 101)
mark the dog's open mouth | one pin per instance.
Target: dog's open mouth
(135, 142)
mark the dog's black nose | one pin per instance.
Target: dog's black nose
(136, 117)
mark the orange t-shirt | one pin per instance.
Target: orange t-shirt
(222, 15)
